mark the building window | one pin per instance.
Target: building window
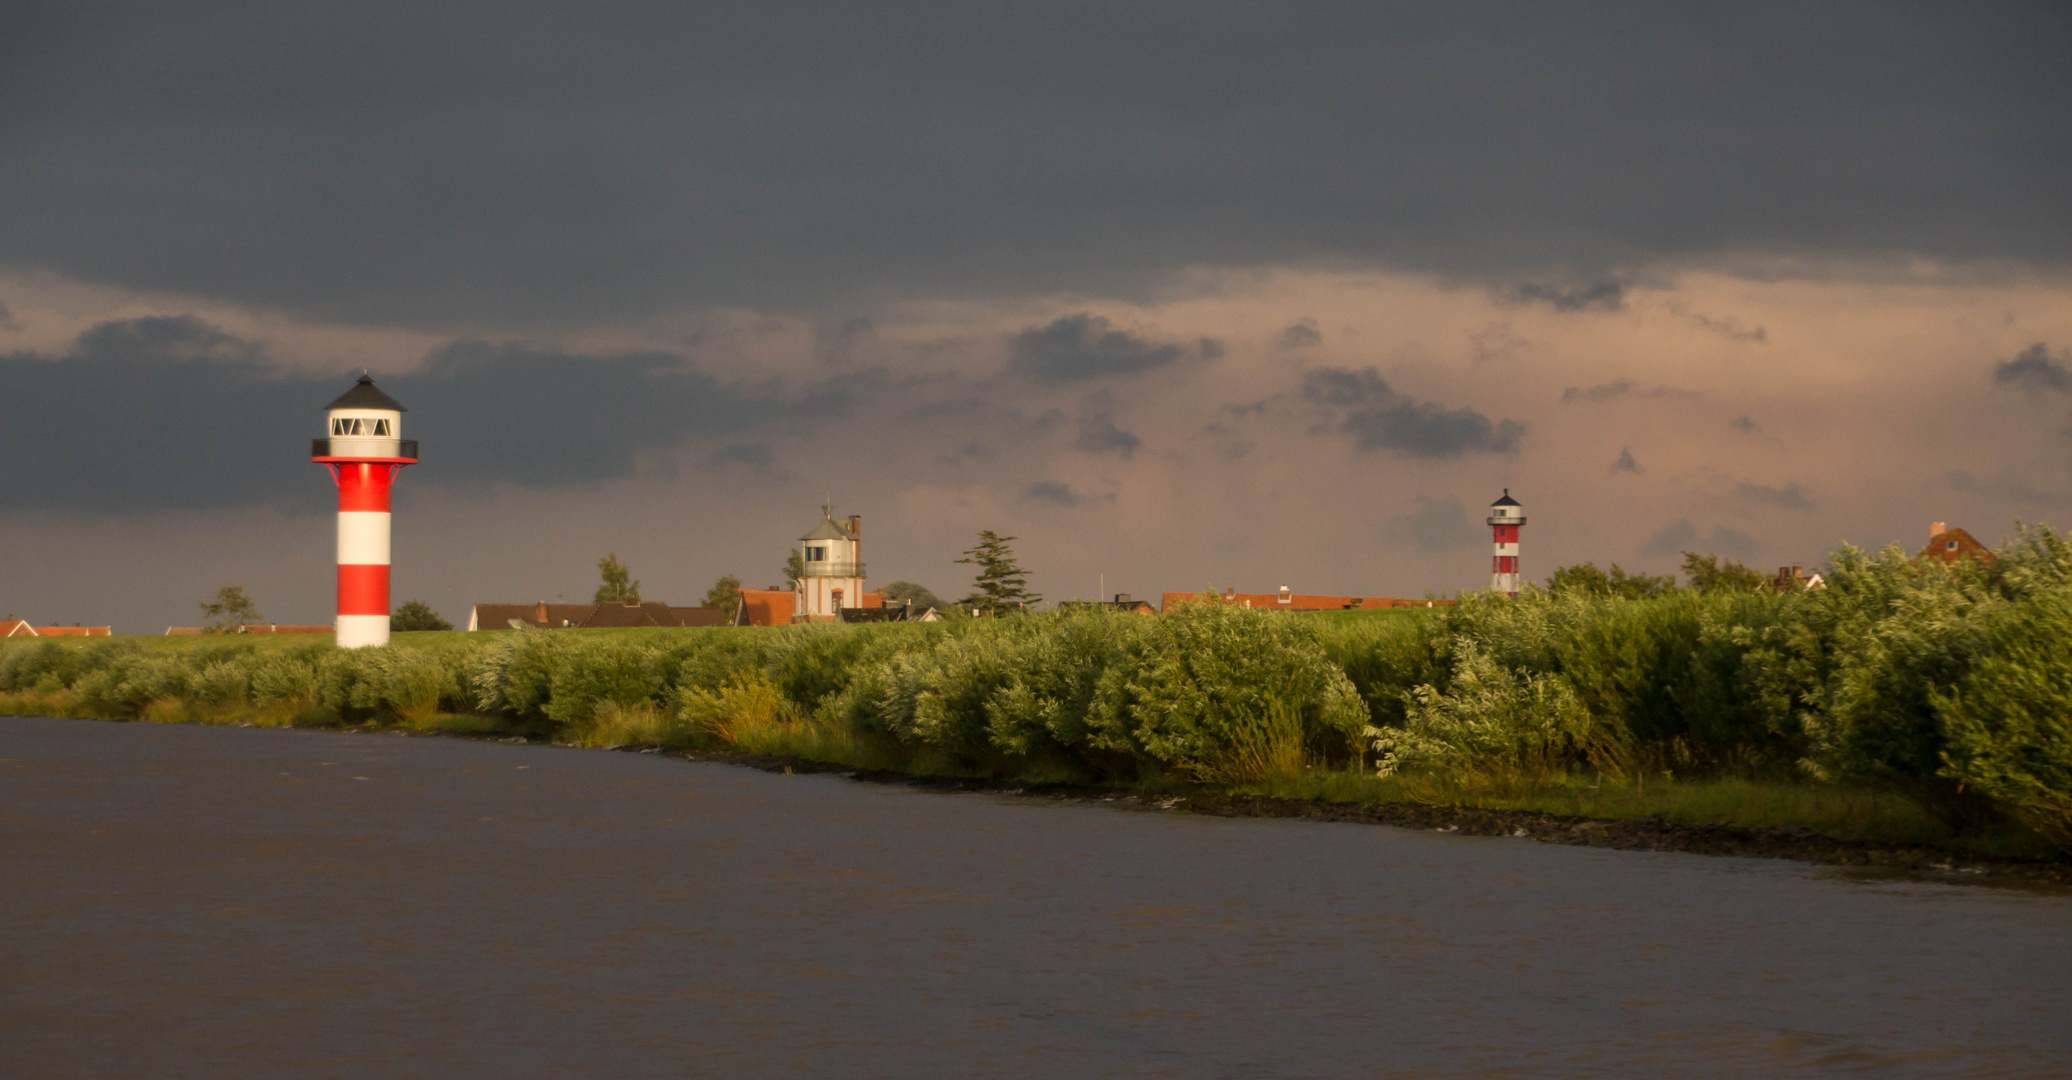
(816, 554)
(1949, 545)
(381, 428)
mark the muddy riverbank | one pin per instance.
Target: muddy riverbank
(1622, 834)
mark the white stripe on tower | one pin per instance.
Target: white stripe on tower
(363, 538)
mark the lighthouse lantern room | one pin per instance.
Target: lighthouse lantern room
(1506, 518)
(364, 449)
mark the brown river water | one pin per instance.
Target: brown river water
(226, 902)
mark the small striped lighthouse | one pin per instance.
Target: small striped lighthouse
(364, 452)
(1506, 517)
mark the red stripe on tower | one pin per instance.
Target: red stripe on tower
(363, 589)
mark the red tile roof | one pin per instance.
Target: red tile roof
(766, 607)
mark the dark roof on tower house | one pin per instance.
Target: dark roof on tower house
(828, 529)
(1507, 500)
(365, 395)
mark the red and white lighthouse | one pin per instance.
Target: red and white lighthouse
(364, 452)
(1506, 517)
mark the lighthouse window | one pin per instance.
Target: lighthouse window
(381, 428)
(816, 554)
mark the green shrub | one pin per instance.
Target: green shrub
(2008, 720)
(1500, 720)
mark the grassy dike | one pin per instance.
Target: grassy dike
(1213, 710)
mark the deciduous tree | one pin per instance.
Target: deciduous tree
(1708, 574)
(417, 615)
(230, 608)
(725, 593)
(619, 586)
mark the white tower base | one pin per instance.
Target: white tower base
(360, 631)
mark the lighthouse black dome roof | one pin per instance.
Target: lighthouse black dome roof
(1507, 500)
(365, 395)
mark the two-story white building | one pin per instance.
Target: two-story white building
(833, 556)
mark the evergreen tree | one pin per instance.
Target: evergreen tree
(725, 593)
(231, 608)
(1002, 585)
(619, 586)
(418, 615)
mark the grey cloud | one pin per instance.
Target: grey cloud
(1619, 388)
(456, 163)
(2006, 487)
(1495, 342)
(1061, 494)
(1434, 525)
(183, 414)
(1378, 418)
(843, 342)
(1085, 346)
(744, 454)
(1680, 536)
(2033, 370)
(163, 338)
(1606, 295)
(1744, 425)
(1099, 435)
(1626, 462)
(1302, 335)
(7, 318)
(1727, 327)
(1788, 497)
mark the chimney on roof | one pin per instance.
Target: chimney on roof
(542, 620)
(855, 526)
(1284, 595)
(1937, 528)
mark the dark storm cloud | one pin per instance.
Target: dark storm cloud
(1061, 494)
(1378, 418)
(1087, 346)
(1606, 295)
(2032, 370)
(148, 414)
(448, 162)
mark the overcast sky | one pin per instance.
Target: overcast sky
(1244, 295)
